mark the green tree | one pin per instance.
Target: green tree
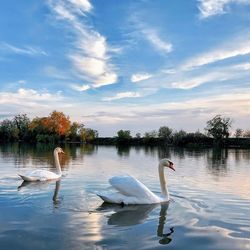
(238, 132)
(74, 131)
(138, 135)
(38, 126)
(8, 131)
(87, 134)
(151, 134)
(165, 133)
(218, 127)
(90, 134)
(124, 134)
(179, 137)
(247, 134)
(22, 124)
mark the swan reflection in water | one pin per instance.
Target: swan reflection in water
(42, 185)
(137, 214)
(55, 198)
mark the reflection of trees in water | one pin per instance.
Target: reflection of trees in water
(242, 154)
(164, 152)
(217, 160)
(131, 215)
(78, 151)
(151, 150)
(238, 155)
(123, 150)
(181, 153)
(195, 152)
(138, 149)
(42, 154)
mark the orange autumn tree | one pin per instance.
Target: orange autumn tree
(57, 123)
(39, 125)
(51, 128)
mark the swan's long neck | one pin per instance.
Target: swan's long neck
(164, 189)
(58, 166)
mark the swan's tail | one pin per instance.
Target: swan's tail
(104, 198)
(111, 198)
(25, 178)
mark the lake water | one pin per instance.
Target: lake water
(209, 207)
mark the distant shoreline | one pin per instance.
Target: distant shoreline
(115, 141)
(207, 142)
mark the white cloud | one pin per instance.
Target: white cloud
(140, 77)
(242, 66)
(26, 50)
(62, 12)
(34, 102)
(196, 81)
(84, 5)
(89, 65)
(157, 42)
(95, 45)
(29, 97)
(122, 95)
(80, 87)
(216, 7)
(105, 79)
(22, 81)
(144, 117)
(183, 79)
(235, 48)
(91, 53)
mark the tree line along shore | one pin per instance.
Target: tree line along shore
(57, 127)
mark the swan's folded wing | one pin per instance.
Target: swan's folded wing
(43, 175)
(130, 186)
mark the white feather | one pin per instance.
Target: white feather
(132, 191)
(44, 175)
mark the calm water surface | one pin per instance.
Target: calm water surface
(209, 208)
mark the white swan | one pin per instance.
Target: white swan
(132, 191)
(44, 175)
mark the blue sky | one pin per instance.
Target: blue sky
(134, 65)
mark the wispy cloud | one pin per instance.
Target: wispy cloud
(242, 66)
(91, 53)
(83, 5)
(182, 79)
(22, 81)
(234, 103)
(145, 117)
(156, 37)
(140, 77)
(216, 7)
(122, 95)
(199, 80)
(80, 88)
(157, 42)
(237, 47)
(54, 72)
(25, 50)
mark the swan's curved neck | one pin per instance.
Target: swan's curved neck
(58, 166)
(164, 189)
